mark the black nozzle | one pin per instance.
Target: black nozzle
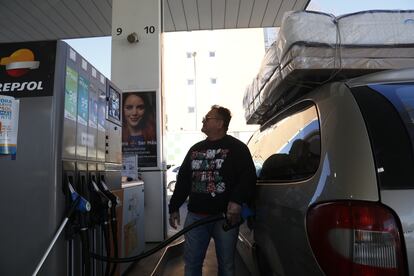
(246, 213)
(100, 203)
(113, 198)
(228, 226)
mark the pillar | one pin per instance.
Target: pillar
(136, 67)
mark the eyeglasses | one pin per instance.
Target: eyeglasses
(206, 118)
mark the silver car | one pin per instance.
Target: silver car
(172, 173)
(335, 189)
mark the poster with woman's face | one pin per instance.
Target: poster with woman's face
(139, 134)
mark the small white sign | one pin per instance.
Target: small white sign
(130, 166)
(9, 119)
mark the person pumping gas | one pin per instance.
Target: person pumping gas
(218, 176)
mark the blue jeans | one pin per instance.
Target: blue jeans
(197, 241)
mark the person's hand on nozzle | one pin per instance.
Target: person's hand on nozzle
(233, 213)
(174, 219)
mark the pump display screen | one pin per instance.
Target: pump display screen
(114, 104)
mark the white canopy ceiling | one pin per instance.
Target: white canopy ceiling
(30, 20)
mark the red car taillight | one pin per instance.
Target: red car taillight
(355, 238)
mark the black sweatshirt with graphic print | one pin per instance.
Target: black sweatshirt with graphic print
(214, 173)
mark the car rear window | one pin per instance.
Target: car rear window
(287, 148)
(388, 110)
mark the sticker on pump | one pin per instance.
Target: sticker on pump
(9, 117)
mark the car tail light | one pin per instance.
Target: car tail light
(356, 238)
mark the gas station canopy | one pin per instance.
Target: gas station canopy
(32, 20)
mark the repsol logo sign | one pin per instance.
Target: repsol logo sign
(21, 86)
(28, 69)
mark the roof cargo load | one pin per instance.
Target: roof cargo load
(313, 48)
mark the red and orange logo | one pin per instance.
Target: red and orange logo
(19, 63)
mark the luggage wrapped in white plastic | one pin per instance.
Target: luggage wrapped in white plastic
(313, 48)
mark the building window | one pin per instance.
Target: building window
(190, 82)
(191, 109)
(188, 54)
(212, 54)
(213, 80)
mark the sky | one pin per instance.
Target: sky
(98, 50)
(338, 7)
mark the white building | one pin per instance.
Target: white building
(201, 69)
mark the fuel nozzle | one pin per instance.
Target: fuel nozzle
(83, 205)
(101, 204)
(113, 198)
(245, 213)
(101, 199)
(228, 226)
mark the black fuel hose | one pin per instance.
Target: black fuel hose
(105, 229)
(162, 244)
(114, 226)
(86, 262)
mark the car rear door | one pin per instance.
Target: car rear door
(388, 110)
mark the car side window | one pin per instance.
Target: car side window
(288, 147)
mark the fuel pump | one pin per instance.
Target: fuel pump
(74, 118)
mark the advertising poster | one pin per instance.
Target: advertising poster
(101, 110)
(83, 98)
(71, 93)
(139, 134)
(93, 107)
(9, 118)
